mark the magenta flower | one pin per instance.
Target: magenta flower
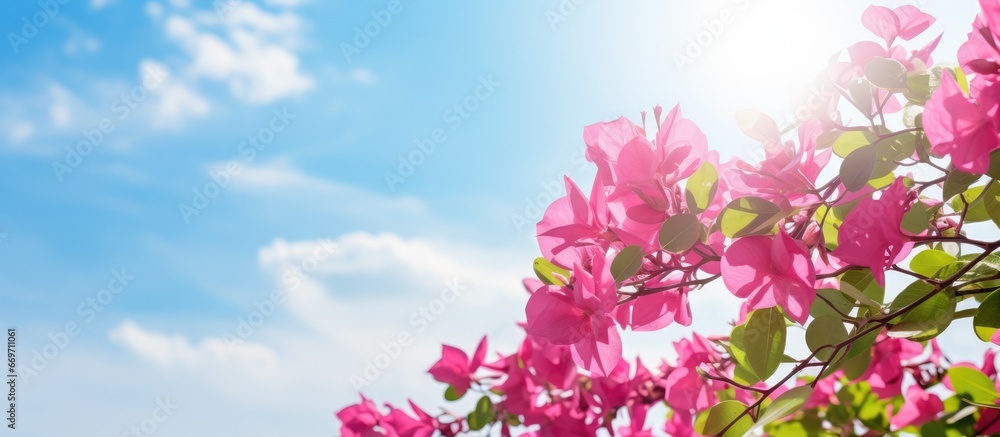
(405, 426)
(904, 22)
(771, 271)
(962, 129)
(572, 222)
(360, 420)
(456, 369)
(920, 407)
(652, 168)
(871, 236)
(604, 143)
(579, 316)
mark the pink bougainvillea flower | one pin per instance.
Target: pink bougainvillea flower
(788, 172)
(771, 271)
(651, 169)
(904, 22)
(684, 388)
(637, 422)
(360, 420)
(920, 407)
(871, 236)
(573, 221)
(889, 356)
(658, 310)
(958, 127)
(604, 143)
(456, 369)
(405, 426)
(579, 315)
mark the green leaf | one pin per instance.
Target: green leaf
(737, 349)
(991, 203)
(850, 141)
(749, 216)
(549, 273)
(627, 263)
(926, 320)
(826, 330)
(972, 384)
(920, 217)
(856, 366)
(857, 168)
(680, 232)
(758, 125)
(930, 261)
(764, 340)
(977, 209)
(994, 171)
(788, 403)
(483, 414)
(861, 94)
(450, 394)
(860, 286)
(719, 416)
(982, 404)
(956, 182)
(701, 188)
(987, 320)
(821, 308)
(886, 73)
(862, 346)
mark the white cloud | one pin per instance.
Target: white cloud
(173, 101)
(280, 177)
(175, 350)
(154, 9)
(335, 321)
(250, 50)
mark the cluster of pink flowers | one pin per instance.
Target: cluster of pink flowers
(666, 216)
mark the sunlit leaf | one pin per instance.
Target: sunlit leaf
(970, 383)
(680, 232)
(826, 330)
(701, 188)
(787, 404)
(764, 340)
(886, 73)
(758, 125)
(749, 216)
(715, 419)
(929, 261)
(549, 273)
(627, 263)
(987, 320)
(857, 168)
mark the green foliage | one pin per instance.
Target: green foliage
(973, 385)
(929, 318)
(701, 188)
(763, 341)
(987, 319)
(483, 414)
(715, 419)
(627, 263)
(680, 232)
(749, 215)
(549, 273)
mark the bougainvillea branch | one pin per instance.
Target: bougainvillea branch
(806, 236)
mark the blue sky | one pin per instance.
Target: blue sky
(310, 212)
